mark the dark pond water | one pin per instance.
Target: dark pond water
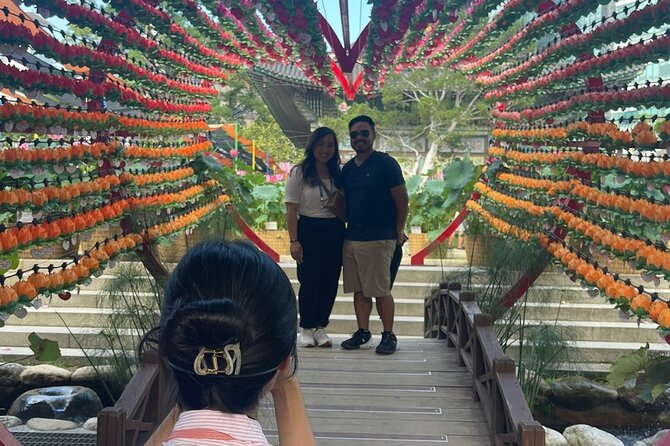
(630, 436)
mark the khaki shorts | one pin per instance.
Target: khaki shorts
(367, 267)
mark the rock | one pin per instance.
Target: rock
(45, 375)
(10, 374)
(554, 438)
(628, 395)
(10, 421)
(605, 416)
(544, 388)
(7, 395)
(584, 435)
(91, 424)
(49, 424)
(74, 403)
(579, 393)
(87, 375)
(663, 401)
(652, 441)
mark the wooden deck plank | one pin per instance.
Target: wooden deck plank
(408, 363)
(452, 393)
(419, 395)
(445, 400)
(324, 439)
(390, 378)
(453, 440)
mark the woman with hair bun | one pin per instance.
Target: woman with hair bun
(228, 333)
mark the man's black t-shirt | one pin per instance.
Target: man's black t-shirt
(370, 207)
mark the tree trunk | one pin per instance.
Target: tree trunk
(430, 158)
(431, 153)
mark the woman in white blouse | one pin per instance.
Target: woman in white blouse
(316, 234)
(227, 334)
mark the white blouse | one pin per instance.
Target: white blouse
(311, 200)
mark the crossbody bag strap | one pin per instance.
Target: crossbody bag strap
(328, 191)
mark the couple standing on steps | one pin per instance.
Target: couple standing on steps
(368, 249)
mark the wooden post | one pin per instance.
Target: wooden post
(531, 434)
(478, 361)
(462, 328)
(498, 421)
(442, 311)
(111, 428)
(451, 315)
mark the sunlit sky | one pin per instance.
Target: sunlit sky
(359, 16)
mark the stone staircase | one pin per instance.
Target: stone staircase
(86, 310)
(594, 326)
(596, 330)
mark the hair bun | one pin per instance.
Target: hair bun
(207, 323)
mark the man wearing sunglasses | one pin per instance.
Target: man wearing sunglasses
(377, 200)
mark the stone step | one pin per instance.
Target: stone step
(403, 306)
(401, 289)
(89, 315)
(568, 293)
(89, 337)
(91, 300)
(406, 273)
(573, 311)
(75, 357)
(548, 278)
(602, 352)
(592, 331)
(560, 278)
(78, 357)
(72, 317)
(593, 323)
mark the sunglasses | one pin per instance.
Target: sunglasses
(363, 133)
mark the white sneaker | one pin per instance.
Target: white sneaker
(306, 338)
(321, 338)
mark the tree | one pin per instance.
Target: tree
(436, 105)
(340, 123)
(440, 104)
(237, 100)
(270, 138)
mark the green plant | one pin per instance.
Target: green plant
(135, 299)
(220, 225)
(44, 350)
(507, 260)
(267, 205)
(651, 373)
(433, 203)
(253, 198)
(541, 348)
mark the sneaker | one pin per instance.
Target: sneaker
(389, 343)
(306, 338)
(321, 338)
(361, 339)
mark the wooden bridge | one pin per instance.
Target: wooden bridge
(456, 389)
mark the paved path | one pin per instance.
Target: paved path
(418, 396)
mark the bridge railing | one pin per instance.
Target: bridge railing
(454, 315)
(146, 401)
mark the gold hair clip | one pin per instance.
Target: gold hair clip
(230, 355)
